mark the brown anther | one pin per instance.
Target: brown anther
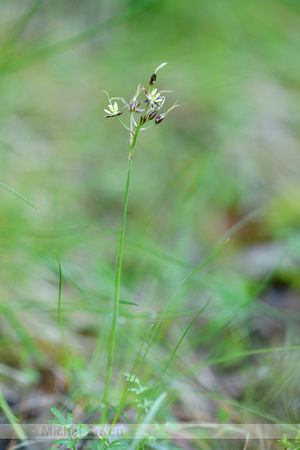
(152, 115)
(143, 119)
(159, 118)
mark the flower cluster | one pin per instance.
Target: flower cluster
(148, 109)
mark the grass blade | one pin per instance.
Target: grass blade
(148, 419)
(19, 195)
(60, 322)
(11, 418)
(165, 368)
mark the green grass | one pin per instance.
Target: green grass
(197, 345)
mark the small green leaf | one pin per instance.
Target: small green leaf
(54, 422)
(124, 302)
(59, 416)
(116, 444)
(82, 430)
(69, 419)
(62, 441)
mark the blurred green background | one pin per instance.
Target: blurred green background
(224, 164)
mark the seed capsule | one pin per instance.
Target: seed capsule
(159, 118)
(152, 115)
(152, 79)
(143, 120)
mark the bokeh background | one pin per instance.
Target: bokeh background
(223, 165)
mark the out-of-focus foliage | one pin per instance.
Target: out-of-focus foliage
(224, 164)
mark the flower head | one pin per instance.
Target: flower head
(154, 98)
(113, 109)
(151, 108)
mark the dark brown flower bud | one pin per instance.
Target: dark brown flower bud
(152, 115)
(159, 118)
(152, 79)
(143, 119)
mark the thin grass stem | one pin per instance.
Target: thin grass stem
(19, 195)
(169, 361)
(60, 322)
(118, 278)
(116, 297)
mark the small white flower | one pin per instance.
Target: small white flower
(113, 109)
(154, 98)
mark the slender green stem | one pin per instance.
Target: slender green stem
(19, 195)
(116, 297)
(71, 439)
(169, 361)
(122, 123)
(60, 321)
(118, 278)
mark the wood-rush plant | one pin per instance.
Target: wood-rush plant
(144, 113)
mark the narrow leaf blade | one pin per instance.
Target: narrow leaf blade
(19, 195)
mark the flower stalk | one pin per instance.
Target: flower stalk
(153, 102)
